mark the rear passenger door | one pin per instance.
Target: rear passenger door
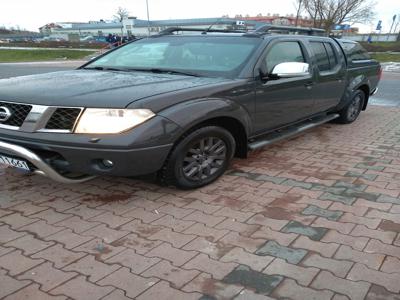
(330, 72)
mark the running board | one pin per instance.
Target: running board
(290, 131)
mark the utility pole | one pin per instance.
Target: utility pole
(397, 24)
(391, 27)
(148, 18)
(395, 29)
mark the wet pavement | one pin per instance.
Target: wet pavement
(20, 69)
(314, 217)
(389, 90)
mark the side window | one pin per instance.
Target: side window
(355, 51)
(333, 61)
(321, 56)
(284, 52)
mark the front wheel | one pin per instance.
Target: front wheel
(352, 110)
(199, 158)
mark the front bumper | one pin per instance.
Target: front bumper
(84, 161)
(71, 158)
(42, 167)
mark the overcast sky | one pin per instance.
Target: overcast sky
(31, 14)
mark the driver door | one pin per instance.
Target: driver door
(280, 101)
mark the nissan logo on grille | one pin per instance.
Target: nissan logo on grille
(5, 114)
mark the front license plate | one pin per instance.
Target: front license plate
(13, 162)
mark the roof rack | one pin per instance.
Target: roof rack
(171, 30)
(287, 30)
(258, 32)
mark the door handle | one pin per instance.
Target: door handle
(309, 85)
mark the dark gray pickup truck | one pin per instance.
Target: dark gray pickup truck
(181, 105)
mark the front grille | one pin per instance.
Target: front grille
(19, 113)
(63, 119)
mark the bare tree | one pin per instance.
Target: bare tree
(121, 14)
(326, 13)
(299, 6)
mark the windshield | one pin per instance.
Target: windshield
(203, 56)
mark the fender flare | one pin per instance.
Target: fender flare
(353, 86)
(191, 113)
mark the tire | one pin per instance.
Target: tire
(199, 158)
(352, 110)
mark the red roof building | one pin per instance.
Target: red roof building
(282, 20)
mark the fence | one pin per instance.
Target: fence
(385, 37)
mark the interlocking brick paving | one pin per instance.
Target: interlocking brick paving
(314, 217)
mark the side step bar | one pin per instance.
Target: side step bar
(290, 131)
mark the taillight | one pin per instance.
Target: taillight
(380, 72)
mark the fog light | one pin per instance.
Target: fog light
(108, 163)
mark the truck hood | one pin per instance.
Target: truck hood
(92, 88)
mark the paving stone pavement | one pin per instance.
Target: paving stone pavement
(314, 217)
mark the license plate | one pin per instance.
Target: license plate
(13, 162)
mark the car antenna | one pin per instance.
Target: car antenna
(209, 27)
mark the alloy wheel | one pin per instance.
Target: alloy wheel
(354, 108)
(204, 158)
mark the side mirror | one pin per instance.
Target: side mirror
(290, 69)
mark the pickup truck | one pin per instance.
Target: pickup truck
(181, 104)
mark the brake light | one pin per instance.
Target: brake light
(380, 72)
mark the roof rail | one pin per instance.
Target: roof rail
(171, 30)
(286, 29)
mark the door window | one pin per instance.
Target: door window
(333, 61)
(325, 56)
(321, 56)
(284, 52)
(355, 51)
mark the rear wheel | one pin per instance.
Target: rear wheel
(352, 110)
(199, 158)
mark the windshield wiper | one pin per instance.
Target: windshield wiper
(104, 69)
(153, 70)
(168, 71)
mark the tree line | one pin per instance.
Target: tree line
(326, 13)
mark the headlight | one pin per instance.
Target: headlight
(99, 120)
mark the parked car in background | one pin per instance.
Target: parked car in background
(182, 105)
(101, 39)
(87, 38)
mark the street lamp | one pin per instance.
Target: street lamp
(148, 18)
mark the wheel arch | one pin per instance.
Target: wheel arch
(218, 112)
(365, 89)
(235, 127)
(349, 93)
